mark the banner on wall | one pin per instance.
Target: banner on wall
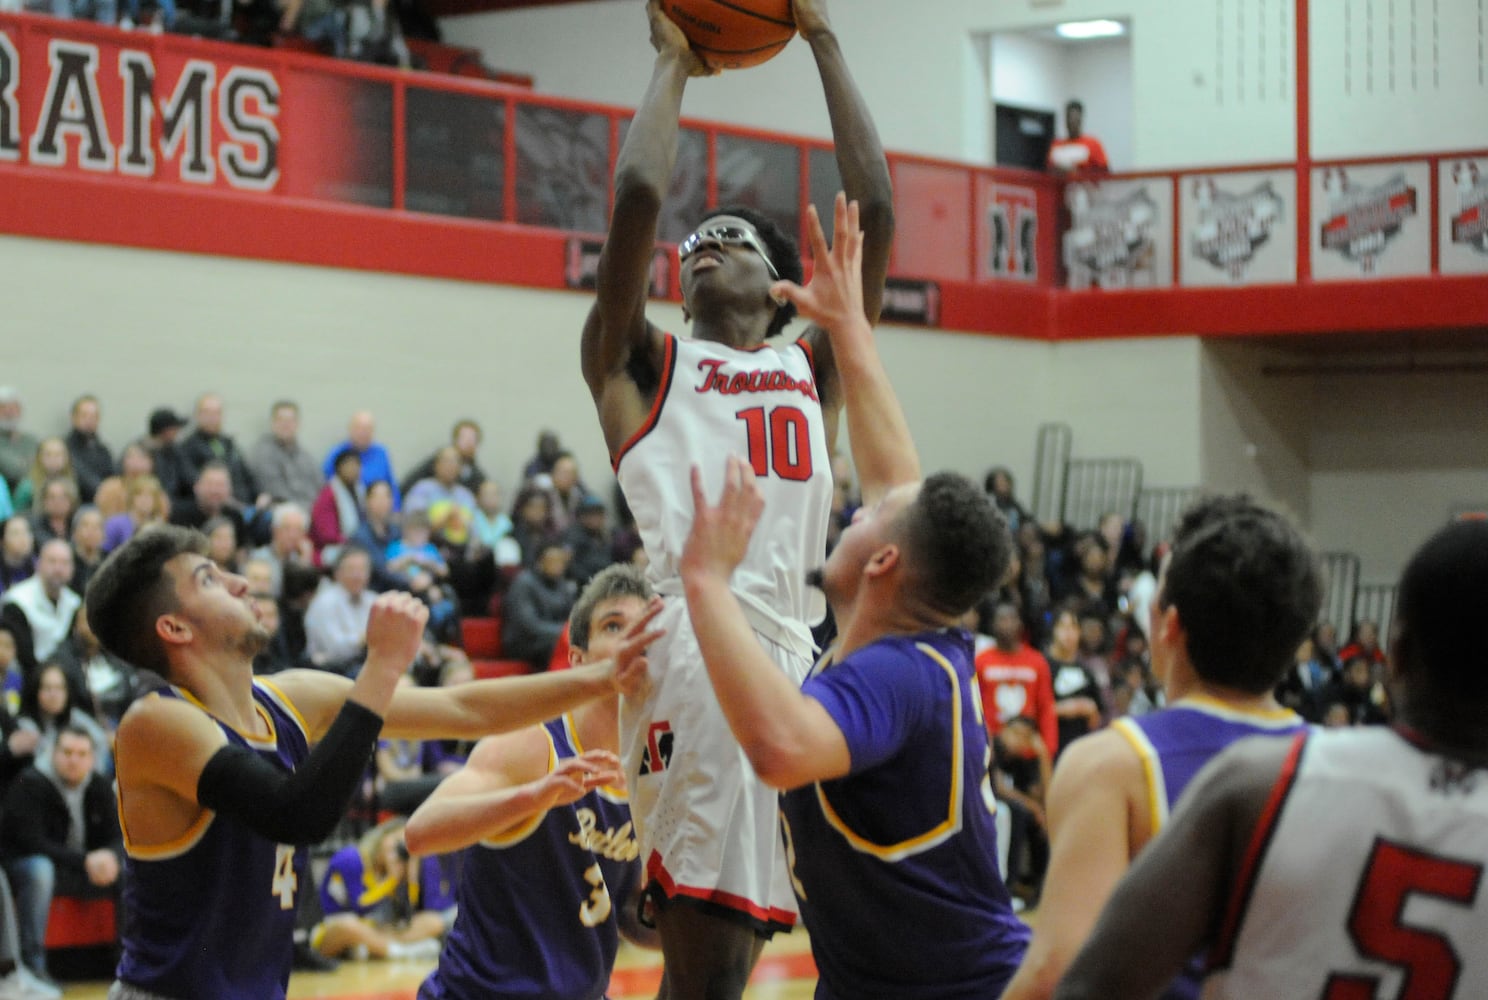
(581, 266)
(906, 300)
(1235, 229)
(1007, 237)
(1369, 222)
(1120, 235)
(1464, 216)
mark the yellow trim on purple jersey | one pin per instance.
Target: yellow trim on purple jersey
(1157, 790)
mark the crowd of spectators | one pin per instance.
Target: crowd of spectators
(1062, 644)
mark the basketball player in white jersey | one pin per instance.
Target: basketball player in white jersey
(708, 828)
(1342, 864)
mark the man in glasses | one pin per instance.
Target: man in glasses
(708, 828)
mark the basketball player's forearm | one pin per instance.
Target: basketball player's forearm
(883, 450)
(481, 708)
(442, 825)
(644, 167)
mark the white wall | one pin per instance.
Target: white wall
(1100, 76)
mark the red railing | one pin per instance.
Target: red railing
(176, 143)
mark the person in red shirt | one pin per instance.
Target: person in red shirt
(1015, 679)
(1080, 155)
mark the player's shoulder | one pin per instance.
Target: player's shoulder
(516, 757)
(1104, 758)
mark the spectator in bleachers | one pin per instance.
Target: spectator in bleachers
(1325, 647)
(377, 531)
(54, 698)
(1077, 695)
(336, 620)
(59, 836)
(541, 463)
(87, 546)
(280, 466)
(207, 443)
(92, 462)
(381, 903)
(301, 584)
(1095, 647)
(414, 551)
(588, 538)
(111, 497)
(1035, 596)
(289, 542)
(54, 507)
(536, 606)
(51, 460)
(1364, 642)
(999, 486)
(1022, 764)
(1307, 684)
(375, 463)
(39, 609)
(1091, 585)
(401, 784)
(162, 17)
(222, 543)
(145, 503)
(112, 684)
(374, 34)
(491, 531)
(565, 488)
(465, 438)
(1135, 692)
(175, 474)
(338, 508)
(17, 448)
(448, 505)
(532, 521)
(1015, 679)
(211, 496)
(17, 551)
(1358, 690)
(11, 674)
(320, 21)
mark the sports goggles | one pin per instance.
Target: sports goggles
(729, 235)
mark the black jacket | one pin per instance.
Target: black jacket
(36, 821)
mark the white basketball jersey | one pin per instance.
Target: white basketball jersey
(714, 401)
(1364, 878)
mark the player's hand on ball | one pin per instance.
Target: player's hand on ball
(720, 534)
(668, 40)
(631, 668)
(811, 17)
(395, 630)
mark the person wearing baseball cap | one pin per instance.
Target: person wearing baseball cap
(170, 465)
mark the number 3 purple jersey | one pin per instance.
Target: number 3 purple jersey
(538, 906)
(213, 914)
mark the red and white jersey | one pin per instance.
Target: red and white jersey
(762, 404)
(1364, 878)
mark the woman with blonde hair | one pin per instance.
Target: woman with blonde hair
(381, 903)
(52, 460)
(112, 495)
(145, 503)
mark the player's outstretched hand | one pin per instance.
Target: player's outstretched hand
(811, 17)
(667, 39)
(395, 629)
(574, 776)
(631, 668)
(720, 534)
(833, 299)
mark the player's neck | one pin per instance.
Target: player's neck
(741, 329)
(223, 685)
(1186, 683)
(871, 619)
(598, 724)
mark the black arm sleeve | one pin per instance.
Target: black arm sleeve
(302, 807)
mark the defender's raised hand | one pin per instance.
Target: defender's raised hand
(720, 534)
(833, 299)
(631, 668)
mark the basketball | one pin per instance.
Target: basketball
(733, 34)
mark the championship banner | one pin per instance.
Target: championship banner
(1120, 235)
(1007, 232)
(1237, 229)
(1463, 197)
(1371, 222)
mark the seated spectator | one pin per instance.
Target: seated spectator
(465, 438)
(532, 522)
(1021, 769)
(59, 836)
(112, 683)
(280, 466)
(52, 461)
(493, 553)
(492, 525)
(289, 542)
(1091, 586)
(338, 508)
(39, 610)
(17, 448)
(112, 496)
(1359, 691)
(276, 655)
(17, 745)
(52, 517)
(376, 465)
(91, 459)
(1325, 647)
(414, 550)
(17, 551)
(336, 620)
(588, 538)
(211, 496)
(378, 530)
(1014, 679)
(380, 903)
(541, 463)
(301, 584)
(87, 546)
(1364, 642)
(53, 699)
(1036, 597)
(14, 677)
(207, 444)
(565, 489)
(449, 506)
(222, 543)
(1095, 649)
(175, 474)
(145, 503)
(536, 607)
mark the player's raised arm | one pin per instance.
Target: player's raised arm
(883, 450)
(643, 172)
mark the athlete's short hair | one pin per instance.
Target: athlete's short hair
(131, 590)
(1247, 587)
(785, 255)
(957, 542)
(1438, 627)
(619, 580)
